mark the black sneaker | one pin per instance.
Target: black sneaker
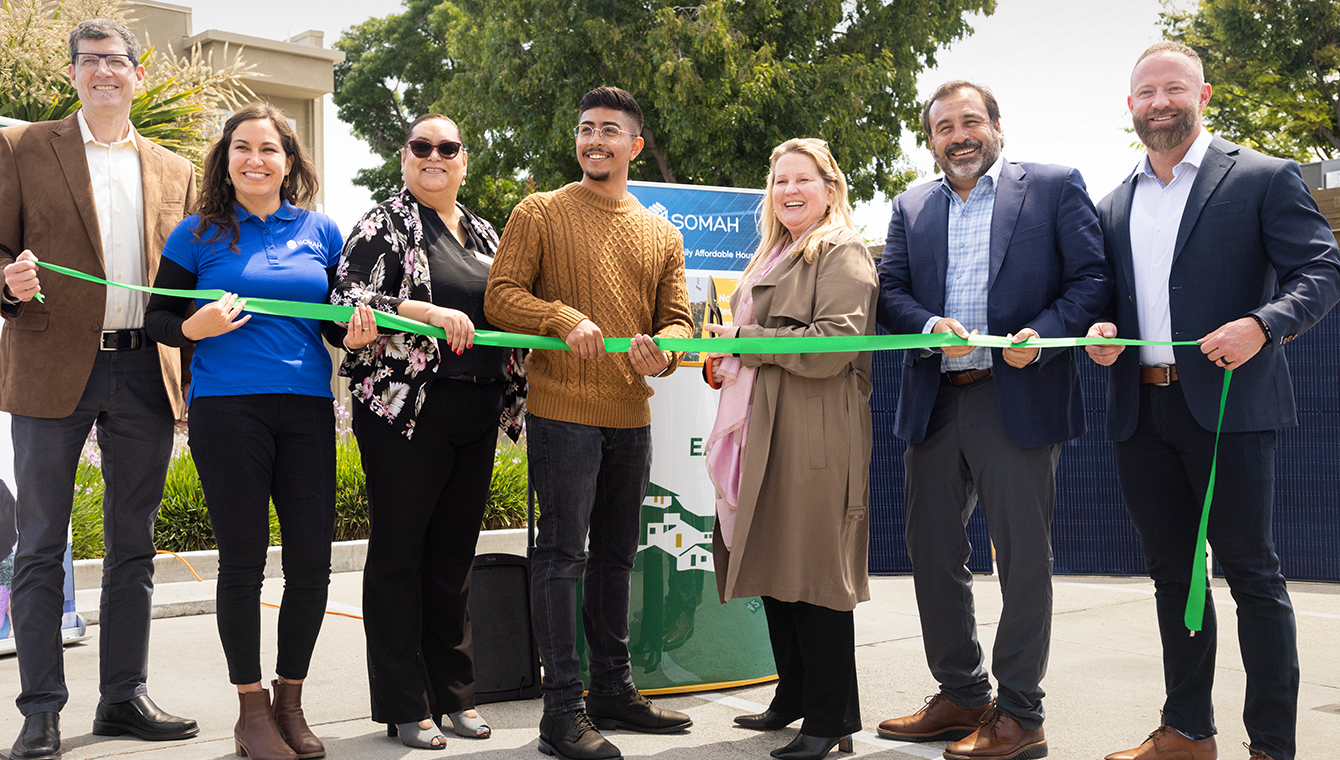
(635, 713)
(570, 736)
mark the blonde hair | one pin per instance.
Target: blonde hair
(836, 220)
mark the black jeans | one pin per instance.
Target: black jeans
(815, 651)
(426, 498)
(589, 481)
(1164, 469)
(125, 398)
(249, 449)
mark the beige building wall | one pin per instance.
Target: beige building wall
(294, 75)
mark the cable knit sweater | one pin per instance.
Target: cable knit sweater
(570, 255)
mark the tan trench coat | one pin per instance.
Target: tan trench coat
(801, 532)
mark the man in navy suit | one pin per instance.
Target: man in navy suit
(1007, 249)
(1219, 244)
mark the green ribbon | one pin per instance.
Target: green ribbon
(1195, 601)
(1195, 607)
(788, 345)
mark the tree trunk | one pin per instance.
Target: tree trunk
(650, 143)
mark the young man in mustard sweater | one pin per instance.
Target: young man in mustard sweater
(579, 263)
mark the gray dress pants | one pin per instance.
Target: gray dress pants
(125, 398)
(967, 457)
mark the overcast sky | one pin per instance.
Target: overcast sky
(1060, 70)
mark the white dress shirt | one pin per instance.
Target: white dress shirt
(1156, 213)
(118, 196)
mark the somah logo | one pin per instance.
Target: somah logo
(693, 222)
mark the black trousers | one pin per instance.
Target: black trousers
(815, 651)
(426, 498)
(247, 450)
(1164, 469)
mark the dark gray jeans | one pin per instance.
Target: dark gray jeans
(589, 481)
(126, 399)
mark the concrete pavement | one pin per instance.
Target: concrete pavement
(1104, 685)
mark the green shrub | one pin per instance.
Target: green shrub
(183, 521)
(506, 507)
(351, 492)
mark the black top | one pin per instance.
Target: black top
(459, 277)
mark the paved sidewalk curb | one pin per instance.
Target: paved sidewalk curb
(177, 592)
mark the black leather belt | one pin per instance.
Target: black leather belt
(123, 340)
(965, 376)
(475, 379)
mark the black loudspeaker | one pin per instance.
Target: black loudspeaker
(507, 659)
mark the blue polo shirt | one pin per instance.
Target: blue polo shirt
(283, 256)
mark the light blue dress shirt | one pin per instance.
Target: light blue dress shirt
(969, 264)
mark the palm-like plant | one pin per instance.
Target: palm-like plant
(177, 107)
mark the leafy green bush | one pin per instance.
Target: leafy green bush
(183, 522)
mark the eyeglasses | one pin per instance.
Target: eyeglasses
(117, 63)
(423, 149)
(586, 133)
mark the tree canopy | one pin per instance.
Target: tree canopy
(720, 83)
(1275, 69)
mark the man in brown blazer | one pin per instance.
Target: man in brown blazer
(89, 193)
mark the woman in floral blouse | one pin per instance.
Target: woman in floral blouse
(426, 415)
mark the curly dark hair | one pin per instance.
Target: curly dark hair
(216, 200)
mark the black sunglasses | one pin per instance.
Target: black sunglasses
(423, 149)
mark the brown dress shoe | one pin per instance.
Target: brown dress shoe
(1167, 743)
(1256, 754)
(292, 723)
(1000, 737)
(940, 720)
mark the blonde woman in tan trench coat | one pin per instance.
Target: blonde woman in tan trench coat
(790, 454)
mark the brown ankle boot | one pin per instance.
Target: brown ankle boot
(292, 724)
(256, 735)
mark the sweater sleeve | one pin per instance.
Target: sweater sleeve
(672, 318)
(510, 301)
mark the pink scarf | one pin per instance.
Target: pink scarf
(725, 446)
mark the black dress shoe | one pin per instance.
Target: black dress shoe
(39, 739)
(571, 736)
(633, 712)
(806, 747)
(141, 717)
(764, 721)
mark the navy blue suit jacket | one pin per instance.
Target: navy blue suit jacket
(1047, 272)
(1251, 241)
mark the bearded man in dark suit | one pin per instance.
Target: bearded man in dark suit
(1215, 243)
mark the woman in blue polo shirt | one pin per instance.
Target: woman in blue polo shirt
(262, 423)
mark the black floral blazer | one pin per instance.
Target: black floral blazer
(383, 263)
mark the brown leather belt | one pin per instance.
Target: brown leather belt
(1161, 374)
(965, 376)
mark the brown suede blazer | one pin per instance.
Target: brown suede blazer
(46, 205)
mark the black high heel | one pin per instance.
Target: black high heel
(764, 721)
(806, 747)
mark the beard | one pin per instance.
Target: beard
(596, 176)
(973, 168)
(1165, 137)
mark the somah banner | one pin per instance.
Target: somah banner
(681, 637)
